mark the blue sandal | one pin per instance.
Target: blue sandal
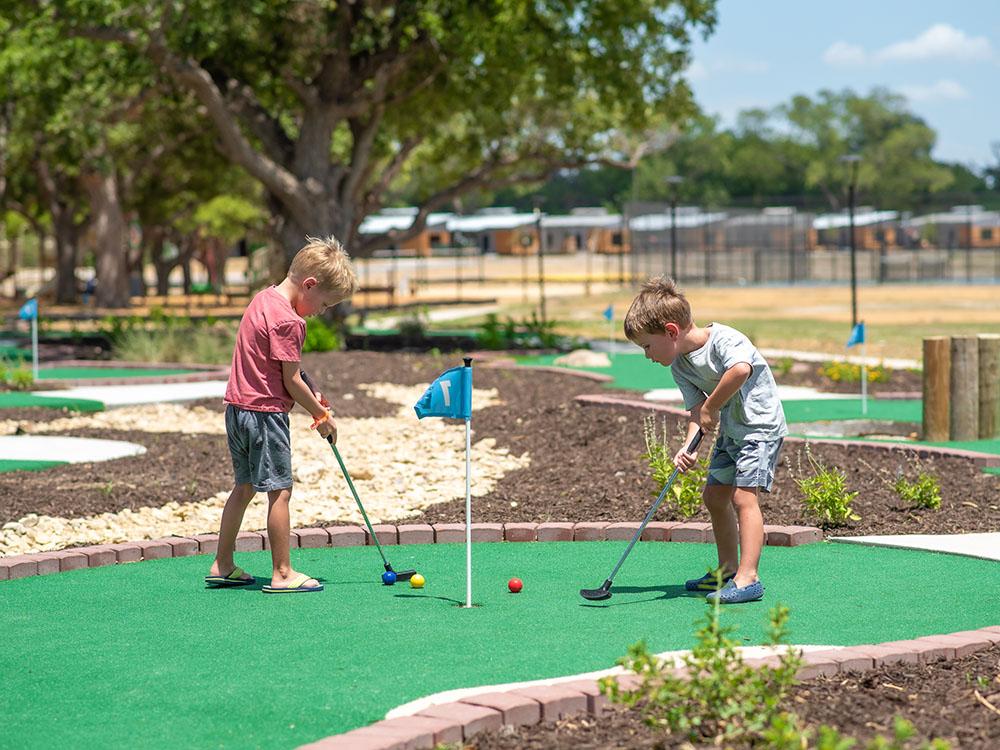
(733, 594)
(706, 583)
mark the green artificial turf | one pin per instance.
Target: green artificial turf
(835, 409)
(18, 400)
(98, 373)
(143, 656)
(630, 371)
(9, 464)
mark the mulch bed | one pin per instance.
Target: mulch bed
(938, 699)
(585, 461)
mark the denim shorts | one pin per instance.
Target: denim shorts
(261, 447)
(750, 463)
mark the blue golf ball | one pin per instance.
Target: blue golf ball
(388, 578)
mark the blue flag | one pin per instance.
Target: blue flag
(29, 310)
(857, 335)
(609, 313)
(448, 396)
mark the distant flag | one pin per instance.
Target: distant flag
(609, 313)
(29, 310)
(450, 395)
(857, 335)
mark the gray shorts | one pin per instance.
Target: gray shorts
(747, 464)
(261, 446)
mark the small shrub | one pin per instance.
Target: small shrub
(825, 493)
(21, 378)
(786, 733)
(720, 699)
(848, 372)
(320, 337)
(688, 485)
(924, 493)
(783, 366)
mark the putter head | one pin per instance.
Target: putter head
(597, 595)
(404, 575)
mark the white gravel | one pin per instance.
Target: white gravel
(399, 465)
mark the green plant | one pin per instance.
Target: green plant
(924, 493)
(320, 337)
(169, 343)
(21, 378)
(783, 366)
(848, 372)
(687, 487)
(825, 493)
(414, 325)
(717, 697)
(786, 733)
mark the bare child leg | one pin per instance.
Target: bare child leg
(751, 527)
(232, 517)
(720, 503)
(278, 531)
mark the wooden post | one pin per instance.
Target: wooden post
(989, 386)
(964, 423)
(937, 385)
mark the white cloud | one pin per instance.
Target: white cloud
(943, 90)
(939, 41)
(699, 71)
(845, 54)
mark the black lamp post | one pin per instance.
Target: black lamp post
(673, 181)
(852, 160)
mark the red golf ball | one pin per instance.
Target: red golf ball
(515, 585)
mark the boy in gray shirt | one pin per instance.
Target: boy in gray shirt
(727, 386)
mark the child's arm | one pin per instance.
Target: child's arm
(305, 398)
(730, 382)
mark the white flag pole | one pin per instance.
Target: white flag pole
(34, 344)
(864, 377)
(468, 496)
(611, 335)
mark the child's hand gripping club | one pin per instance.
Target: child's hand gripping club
(324, 424)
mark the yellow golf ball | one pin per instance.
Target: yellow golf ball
(417, 581)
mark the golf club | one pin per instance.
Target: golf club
(401, 575)
(604, 592)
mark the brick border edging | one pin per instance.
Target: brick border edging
(458, 721)
(980, 460)
(74, 558)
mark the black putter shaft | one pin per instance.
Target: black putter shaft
(401, 575)
(604, 592)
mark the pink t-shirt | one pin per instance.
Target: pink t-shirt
(271, 332)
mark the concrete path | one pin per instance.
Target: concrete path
(72, 450)
(984, 546)
(151, 393)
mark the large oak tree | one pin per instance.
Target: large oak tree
(330, 104)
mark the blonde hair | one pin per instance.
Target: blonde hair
(328, 262)
(659, 302)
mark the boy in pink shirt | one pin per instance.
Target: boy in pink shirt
(264, 385)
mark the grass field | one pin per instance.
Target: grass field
(808, 318)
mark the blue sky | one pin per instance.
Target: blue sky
(943, 56)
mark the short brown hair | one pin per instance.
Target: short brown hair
(659, 302)
(328, 262)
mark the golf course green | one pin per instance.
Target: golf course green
(144, 655)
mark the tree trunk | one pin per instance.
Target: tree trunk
(109, 233)
(66, 254)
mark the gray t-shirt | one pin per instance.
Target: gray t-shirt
(754, 412)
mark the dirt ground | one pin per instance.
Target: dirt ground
(585, 461)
